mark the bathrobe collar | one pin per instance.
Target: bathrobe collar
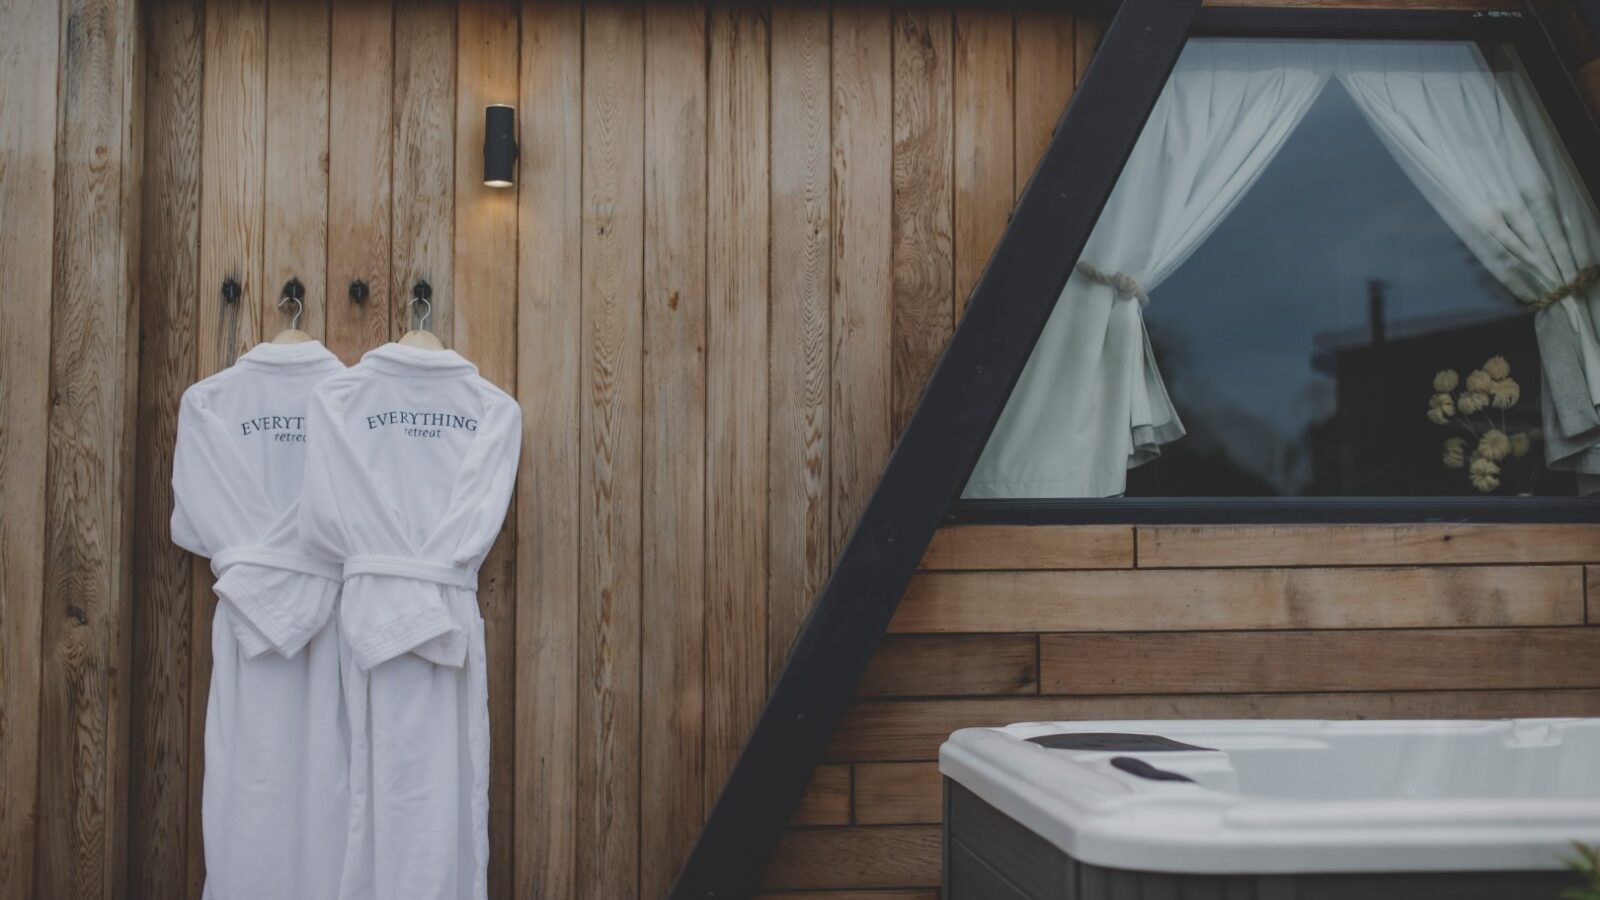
(280, 355)
(400, 359)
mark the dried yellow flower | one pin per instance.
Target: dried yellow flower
(1481, 466)
(1455, 452)
(1446, 380)
(1505, 394)
(1521, 443)
(1494, 445)
(1472, 401)
(1484, 483)
(1479, 381)
(1497, 367)
(1437, 416)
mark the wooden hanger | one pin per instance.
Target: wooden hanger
(293, 292)
(420, 337)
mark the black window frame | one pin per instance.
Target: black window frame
(1575, 126)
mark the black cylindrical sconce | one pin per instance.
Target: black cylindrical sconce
(499, 145)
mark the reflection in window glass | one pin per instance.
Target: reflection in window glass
(1329, 269)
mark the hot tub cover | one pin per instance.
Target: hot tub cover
(1228, 797)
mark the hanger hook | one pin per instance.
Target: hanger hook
(419, 295)
(292, 292)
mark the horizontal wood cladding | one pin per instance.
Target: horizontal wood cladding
(827, 798)
(1467, 5)
(910, 730)
(1296, 661)
(1234, 599)
(1030, 547)
(952, 665)
(888, 856)
(910, 894)
(1211, 546)
(898, 793)
(1591, 595)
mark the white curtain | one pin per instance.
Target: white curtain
(1476, 142)
(1090, 403)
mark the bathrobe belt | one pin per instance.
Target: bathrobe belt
(274, 608)
(402, 567)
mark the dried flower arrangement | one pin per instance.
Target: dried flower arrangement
(1479, 408)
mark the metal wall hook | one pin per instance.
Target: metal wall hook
(359, 291)
(231, 290)
(294, 292)
(421, 293)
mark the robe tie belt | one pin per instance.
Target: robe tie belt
(305, 565)
(421, 570)
(1586, 278)
(1124, 284)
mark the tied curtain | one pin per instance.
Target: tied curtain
(1090, 403)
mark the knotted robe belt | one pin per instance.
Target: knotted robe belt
(401, 567)
(274, 607)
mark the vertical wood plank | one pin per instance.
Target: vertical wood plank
(862, 284)
(985, 134)
(799, 554)
(361, 102)
(296, 191)
(232, 163)
(547, 506)
(923, 314)
(485, 327)
(1046, 72)
(163, 585)
(673, 579)
(83, 719)
(609, 627)
(29, 56)
(736, 384)
(422, 192)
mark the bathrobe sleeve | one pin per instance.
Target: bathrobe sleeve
(278, 600)
(482, 520)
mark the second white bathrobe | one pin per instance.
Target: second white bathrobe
(410, 470)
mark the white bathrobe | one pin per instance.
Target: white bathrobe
(276, 788)
(409, 474)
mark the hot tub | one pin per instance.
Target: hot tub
(1269, 810)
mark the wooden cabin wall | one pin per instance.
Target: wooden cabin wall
(739, 239)
(1015, 624)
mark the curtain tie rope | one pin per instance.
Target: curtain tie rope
(1124, 284)
(1587, 278)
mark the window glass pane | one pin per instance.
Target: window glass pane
(1306, 235)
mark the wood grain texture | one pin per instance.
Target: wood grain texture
(737, 205)
(1305, 661)
(81, 841)
(856, 857)
(1087, 29)
(863, 291)
(1197, 546)
(232, 197)
(922, 227)
(931, 665)
(1232, 599)
(673, 581)
(827, 798)
(799, 552)
(422, 199)
(984, 141)
(609, 624)
(485, 329)
(1591, 594)
(548, 508)
(29, 65)
(912, 730)
(163, 587)
(899, 794)
(361, 101)
(296, 189)
(1587, 78)
(1046, 66)
(984, 547)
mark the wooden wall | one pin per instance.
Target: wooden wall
(740, 236)
(1015, 624)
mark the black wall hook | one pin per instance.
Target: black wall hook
(422, 290)
(231, 290)
(359, 291)
(294, 290)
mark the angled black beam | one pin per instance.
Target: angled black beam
(930, 463)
